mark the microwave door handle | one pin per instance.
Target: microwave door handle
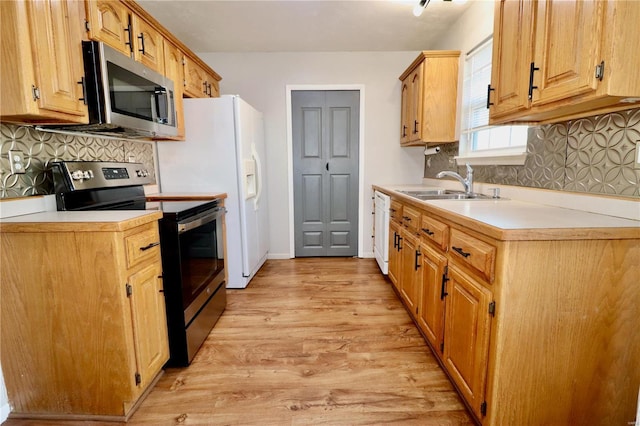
(161, 92)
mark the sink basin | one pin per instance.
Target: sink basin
(446, 194)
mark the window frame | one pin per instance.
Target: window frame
(511, 155)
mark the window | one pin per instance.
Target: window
(481, 143)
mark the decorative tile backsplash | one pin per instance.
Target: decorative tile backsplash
(41, 148)
(594, 155)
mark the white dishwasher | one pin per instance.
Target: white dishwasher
(381, 240)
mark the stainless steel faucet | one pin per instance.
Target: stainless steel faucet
(466, 182)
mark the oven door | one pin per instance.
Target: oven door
(201, 257)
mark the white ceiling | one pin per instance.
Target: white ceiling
(304, 25)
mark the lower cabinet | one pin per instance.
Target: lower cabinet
(432, 297)
(466, 343)
(395, 243)
(530, 329)
(410, 270)
(84, 331)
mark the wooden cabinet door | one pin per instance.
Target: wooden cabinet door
(431, 304)
(109, 23)
(394, 256)
(57, 54)
(149, 321)
(512, 56)
(404, 112)
(466, 336)
(173, 69)
(410, 270)
(148, 45)
(195, 79)
(567, 48)
(416, 100)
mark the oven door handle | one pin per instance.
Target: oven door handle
(200, 220)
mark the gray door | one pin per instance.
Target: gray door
(325, 172)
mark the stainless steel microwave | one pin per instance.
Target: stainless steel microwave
(125, 98)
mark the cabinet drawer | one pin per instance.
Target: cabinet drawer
(142, 245)
(395, 211)
(473, 252)
(435, 231)
(411, 218)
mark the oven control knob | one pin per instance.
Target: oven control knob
(77, 175)
(88, 174)
(142, 173)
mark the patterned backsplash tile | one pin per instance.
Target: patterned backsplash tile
(41, 148)
(594, 155)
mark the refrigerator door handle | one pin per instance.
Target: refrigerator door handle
(256, 158)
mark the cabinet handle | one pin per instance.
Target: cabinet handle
(532, 69)
(416, 264)
(84, 91)
(141, 38)
(404, 131)
(461, 252)
(152, 245)
(443, 293)
(395, 239)
(489, 90)
(129, 30)
(399, 241)
(407, 218)
(209, 93)
(415, 126)
(204, 85)
(427, 231)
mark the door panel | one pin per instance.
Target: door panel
(325, 151)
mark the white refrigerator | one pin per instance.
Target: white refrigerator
(224, 152)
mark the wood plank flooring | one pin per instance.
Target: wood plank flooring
(317, 341)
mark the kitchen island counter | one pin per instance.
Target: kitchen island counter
(79, 221)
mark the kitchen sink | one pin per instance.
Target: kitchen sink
(447, 194)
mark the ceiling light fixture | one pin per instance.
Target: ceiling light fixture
(418, 8)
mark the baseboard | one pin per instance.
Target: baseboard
(278, 256)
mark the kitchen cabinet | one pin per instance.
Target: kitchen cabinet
(429, 99)
(42, 69)
(109, 21)
(149, 45)
(198, 82)
(556, 60)
(174, 70)
(528, 303)
(115, 24)
(410, 281)
(84, 333)
(466, 343)
(395, 243)
(431, 304)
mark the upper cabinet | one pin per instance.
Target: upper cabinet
(429, 99)
(174, 69)
(109, 22)
(148, 45)
(200, 83)
(557, 60)
(43, 81)
(42, 70)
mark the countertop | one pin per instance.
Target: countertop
(79, 221)
(506, 219)
(185, 196)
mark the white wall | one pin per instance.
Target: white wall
(261, 79)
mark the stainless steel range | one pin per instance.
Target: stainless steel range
(190, 238)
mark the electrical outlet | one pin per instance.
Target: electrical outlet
(16, 161)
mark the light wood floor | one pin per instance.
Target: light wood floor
(309, 342)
